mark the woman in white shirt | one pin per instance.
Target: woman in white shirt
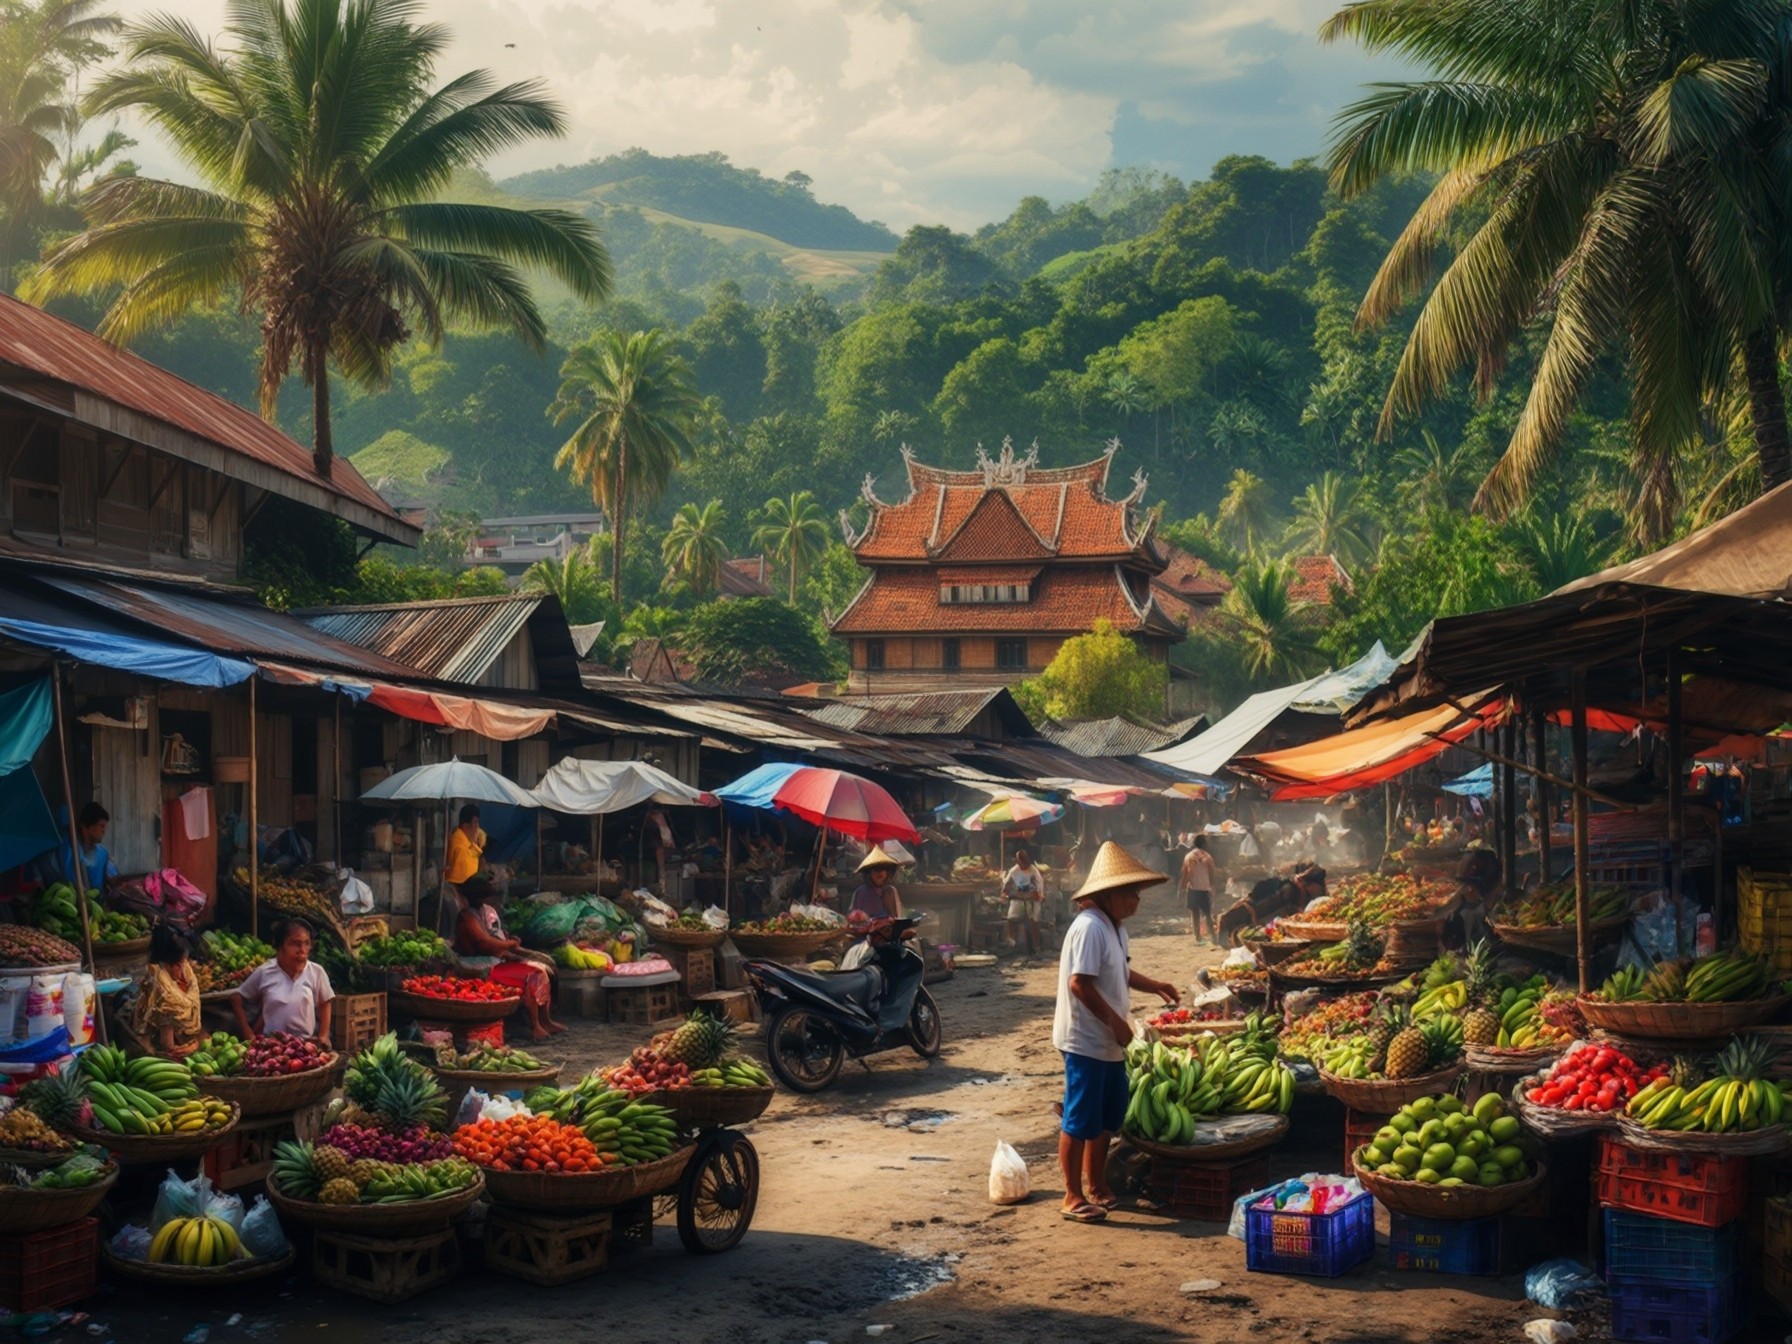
(1025, 890)
(291, 993)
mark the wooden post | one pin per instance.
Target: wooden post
(727, 865)
(1509, 811)
(336, 783)
(254, 823)
(1583, 942)
(1540, 782)
(79, 875)
(1676, 795)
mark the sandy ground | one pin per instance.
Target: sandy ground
(874, 1211)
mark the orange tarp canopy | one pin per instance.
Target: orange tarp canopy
(1368, 755)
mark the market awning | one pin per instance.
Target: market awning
(488, 718)
(1477, 783)
(592, 788)
(128, 653)
(1364, 756)
(26, 826)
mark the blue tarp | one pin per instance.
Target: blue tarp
(126, 653)
(1477, 783)
(26, 827)
(755, 790)
(25, 717)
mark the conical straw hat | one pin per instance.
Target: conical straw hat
(877, 858)
(1114, 870)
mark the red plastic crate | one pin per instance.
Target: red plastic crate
(50, 1269)
(1359, 1129)
(1704, 1191)
(1204, 1190)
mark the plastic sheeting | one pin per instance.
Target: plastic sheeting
(1366, 756)
(25, 718)
(1477, 783)
(125, 653)
(590, 788)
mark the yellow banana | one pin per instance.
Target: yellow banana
(158, 1248)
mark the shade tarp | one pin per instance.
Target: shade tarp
(25, 718)
(448, 781)
(487, 718)
(26, 827)
(590, 788)
(1745, 554)
(758, 788)
(1366, 756)
(1477, 783)
(127, 653)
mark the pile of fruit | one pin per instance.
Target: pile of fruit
(575, 957)
(1722, 977)
(75, 1173)
(292, 897)
(1173, 1086)
(1358, 957)
(787, 923)
(458, 989)
(735, 1073)
(386, 1143)
(1594, 1078)
(1395, 1046)
(386, 1089)
(1738, 1098)
(330, 1175)
(623, 1130)
(24, 1131)
(1172, 1018)
(273, 1056)
(645, 1071)
(56, 910)
(199, 1243)
(1346, 1015)
(691, 922)
(1553, 906)
(486, 1058)
(21, 945)
(219, 1055)
(1378, 899)
(233, 956)
(1440, 1141)
(130, 1096)
(411, 948)
(1243, 979)
(528, 1143)
(1271, 932)
(1529, 1017)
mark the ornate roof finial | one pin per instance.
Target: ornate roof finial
(846, 529)
(868, 491)
(1112, 448)
(1006, 469)
(1139, 482)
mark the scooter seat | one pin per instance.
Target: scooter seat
(861, 987)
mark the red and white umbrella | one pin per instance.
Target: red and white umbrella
(846, 803)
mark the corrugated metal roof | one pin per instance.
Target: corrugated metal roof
(38, 343)
(454, 640)
(931, 712)
(1118, 736)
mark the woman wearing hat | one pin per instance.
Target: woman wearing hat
(876, 897)
(1092, 1028)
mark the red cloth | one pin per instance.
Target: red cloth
(525, 977)
(197, 860)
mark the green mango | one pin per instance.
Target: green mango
(1389, 1135)
(1504, 1130)
(1509, 1156)
(1427, 1176)
(1489, 1108)
(1492, 1173)
(1450, 1105)
(1473, 1143)
(1430, 1132)
(1402, 1122)
(1438, 1157)
(1391, 1171)
(1423, 1109)
(1465, 1169)
(1407, 1159)
(1452, 1182)
(1375, 1155)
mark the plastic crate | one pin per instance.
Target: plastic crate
(247, 1154)
(1704, 1191)
(1323, 1245)
(50, 1269)
(1359, 1128)
(1444, 1245)
(1204, 1190)
(1639, 1246)
(1763, 920)
(1673, 1313)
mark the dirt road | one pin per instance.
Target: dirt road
(874, 1211)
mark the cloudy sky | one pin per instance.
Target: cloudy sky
(910, 111)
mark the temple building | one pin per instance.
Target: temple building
(977, 577)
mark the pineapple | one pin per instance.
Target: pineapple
(58, 1099)
(339, 1191)
(702, 1042)
(1478, 973)
(1390, 1019)
(331, 1164)
(363, 1171)
(1480, 1027)
(1407, 1053)
(406, 1099)
(1362, 947)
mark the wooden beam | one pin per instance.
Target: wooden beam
(155, 495)
(1676, 796)
(124, 460)
(1500, 758)
(1509, 809)
(1539, 777)
(1583, 918)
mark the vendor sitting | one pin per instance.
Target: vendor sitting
(877, 897)
(291, 993)
(166, 1014)
(481, 943)
(97, 868)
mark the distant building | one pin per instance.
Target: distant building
(749, 576)
(513, 544)
(978, 577)
(1317, 578)
(1189, 589)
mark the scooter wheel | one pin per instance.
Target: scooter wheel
(803, 1050)
(924, 1032)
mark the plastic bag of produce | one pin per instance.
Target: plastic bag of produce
(261, 1234)
(132, 1242)
(175, 1198)
(1008, 1181)
(356, 897)
(216, 1204)
(1562, 1285)
(820, 913)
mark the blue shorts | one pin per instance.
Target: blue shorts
(1095, 1096)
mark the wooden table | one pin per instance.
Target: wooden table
(952, 906)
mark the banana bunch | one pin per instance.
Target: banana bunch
(1449, 997)
(404, 1185)
(1351, 1057)
(1624, 985)
(1720, 1106)
(1172, 1087)
(189, 1117)
(293, 1171)
(1522, 1025)
(624, 1130)
(129, 1096)
(574, 957)
(734, 1073)
(56, 910)
(200, 1242)
(1724, 977)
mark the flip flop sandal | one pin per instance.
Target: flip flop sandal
(1085, 1213)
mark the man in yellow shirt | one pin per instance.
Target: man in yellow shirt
(466, 848)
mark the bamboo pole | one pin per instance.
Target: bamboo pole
(254, 822)
(1509, 811)
(1539, 741)
(1501, 758)
(79, 875)
(727, 865)
(1676, 795)
(336, 783)
(1583, 939)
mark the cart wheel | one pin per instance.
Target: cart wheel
(803, 1050)
(717, 1194)
(924, 1032)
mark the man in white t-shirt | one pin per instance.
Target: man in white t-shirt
(1092, 1029)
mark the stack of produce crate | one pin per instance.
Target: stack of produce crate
(1672, 1236)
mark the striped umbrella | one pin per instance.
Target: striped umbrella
(1006, 814)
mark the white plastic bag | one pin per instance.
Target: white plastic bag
(1008, 1181)
(356, 897)
(261, 1233)
(132, 1242)
(217, 1204)
(175, 1198)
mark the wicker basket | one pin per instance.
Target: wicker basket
(281, 1094)
(1384, 1096)
(557, 1192)
(32, 1160)
(693, 938)
(132, 1148)
(131, 952)
(1558, 939)
(1492, 1059)
(484, 1078)
(1751, 1143)
(1678, 1021)
(696, 1107)
(1314, 930)
(194, 1276)
(409, 1218)
(1552, 1122)
(1271, 950)
(1177, 1033)
(23, 1210)
(451, 1010)
(1212, 1152)
(1282, 980)
(786, 946)
(1418, 1200)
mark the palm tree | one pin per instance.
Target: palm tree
(1435, 479)
(635, 402)
(574, 579)
(1561, 550)
(1245, 515)
(694, 549)
(1615, 166)
(795, 531)
(1328, 521)
(322, 150)
(1274, 634)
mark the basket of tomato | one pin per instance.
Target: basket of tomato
(537, 1162)
(449, 998)
(1586, 1090)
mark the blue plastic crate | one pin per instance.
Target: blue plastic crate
(1661, 1250)
(1320, 1244)
(1444, 1245)
(1650, 1312)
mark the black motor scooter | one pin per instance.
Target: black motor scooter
(814, 1021)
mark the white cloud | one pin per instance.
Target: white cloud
(908, 110)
